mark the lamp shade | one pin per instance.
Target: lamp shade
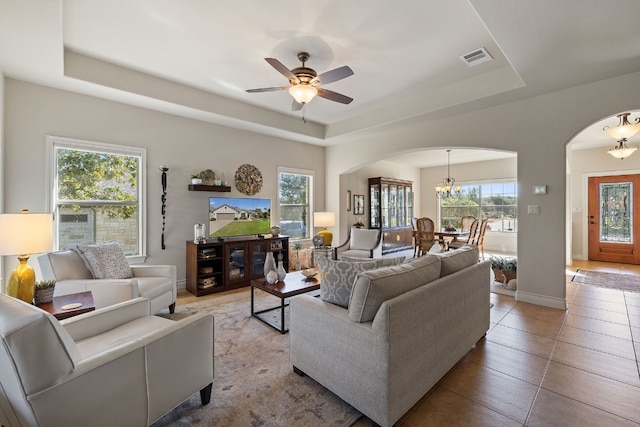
(25, 233)
(303, 93)
(324, 219)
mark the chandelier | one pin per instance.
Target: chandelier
(622, 133)
(448, 187)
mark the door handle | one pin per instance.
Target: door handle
(591, 222)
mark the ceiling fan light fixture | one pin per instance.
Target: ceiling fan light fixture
(303, 93)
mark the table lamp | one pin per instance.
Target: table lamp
(23, 234)
(324, 220)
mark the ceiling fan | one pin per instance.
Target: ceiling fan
(305, 82)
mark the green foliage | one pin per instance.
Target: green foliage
(297, 245)
(44, 284)
(100, 177)
(504, 263)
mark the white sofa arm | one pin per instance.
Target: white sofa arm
(99, 321)
(142, 270)
(105, 292)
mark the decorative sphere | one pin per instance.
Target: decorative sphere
(272, 277)
(275, 230)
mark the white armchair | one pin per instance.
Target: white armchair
(361, 243)
(157, 283)
(118, 366)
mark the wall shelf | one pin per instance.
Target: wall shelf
(216, 188)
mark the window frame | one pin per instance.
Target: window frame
(481, 183)
(57, 142)
(310, 174)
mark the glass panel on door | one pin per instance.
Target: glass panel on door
(616, 212)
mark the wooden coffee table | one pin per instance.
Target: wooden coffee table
(294, 284)
(55, 307)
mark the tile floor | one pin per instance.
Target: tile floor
(544, 367)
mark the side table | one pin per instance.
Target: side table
(320, 251)
(55, 307)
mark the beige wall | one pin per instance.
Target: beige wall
(185, 146)
(537, 129)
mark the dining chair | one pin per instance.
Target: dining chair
(465, 223)
(479, 241)
(473, 231)
(414, 231)
(425, 236)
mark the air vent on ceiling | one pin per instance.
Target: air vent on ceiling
(476, 57)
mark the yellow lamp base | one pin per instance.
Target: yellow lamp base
(22, 282)
(327, 237)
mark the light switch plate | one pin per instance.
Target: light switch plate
(539, 189)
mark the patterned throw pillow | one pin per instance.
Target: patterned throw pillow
(337, 277)
(106, 261)
(382, 262)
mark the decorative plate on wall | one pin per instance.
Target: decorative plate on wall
(248, 179)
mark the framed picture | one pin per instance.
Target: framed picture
(358, 204)
(348, 200)
(276, 245)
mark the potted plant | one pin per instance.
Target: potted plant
(196, 178)
(504, 268)
(297, 245)
(44, 291)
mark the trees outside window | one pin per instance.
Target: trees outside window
(97, 194)
(497, 202)
(295, 195)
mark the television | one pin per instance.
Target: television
(239, 216)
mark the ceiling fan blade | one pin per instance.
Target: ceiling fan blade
(296, 106)
(282, 69)
(268, 89)
(333, 75)
(334, 96)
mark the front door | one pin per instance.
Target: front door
(613, 216)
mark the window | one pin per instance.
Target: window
(498, 202)
(97, 194)
(295, 195)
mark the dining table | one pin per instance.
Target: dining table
(453, 233)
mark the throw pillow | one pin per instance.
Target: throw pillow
(106, 261)
(374, 287)
(337, 278)
(453, 261)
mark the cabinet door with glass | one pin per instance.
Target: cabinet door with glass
(391, 210)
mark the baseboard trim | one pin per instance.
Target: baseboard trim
(559, 303)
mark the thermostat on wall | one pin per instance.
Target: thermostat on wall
(539, 189)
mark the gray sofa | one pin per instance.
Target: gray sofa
(405, 327)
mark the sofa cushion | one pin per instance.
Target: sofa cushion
(363, 238)
(64, 265)
(374, 287)
(382, 262)
(337, 278)
(458, 259)
(106, 260)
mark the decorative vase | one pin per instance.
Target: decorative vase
(275, 230)
(272, 277)
(281, 271)
(196, 181)
(269, 263)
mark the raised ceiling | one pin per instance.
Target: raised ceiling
(197, 58)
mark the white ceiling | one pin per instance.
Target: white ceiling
(196, 58)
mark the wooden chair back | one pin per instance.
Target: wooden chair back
(424, 235)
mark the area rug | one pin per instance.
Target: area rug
(621, 282)
(254, 384)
